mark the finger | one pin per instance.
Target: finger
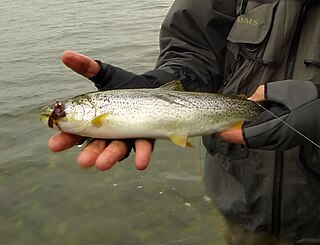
(258, 95)
(113, 153)
(63, 141)
(232, 136)
(90, 153)
(143, 153)
(80, 64)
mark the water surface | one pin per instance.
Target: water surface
(45, 198)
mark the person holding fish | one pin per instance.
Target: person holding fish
(264, 176)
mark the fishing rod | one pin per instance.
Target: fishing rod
(288, 125)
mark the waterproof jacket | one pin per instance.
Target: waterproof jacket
(272, 183)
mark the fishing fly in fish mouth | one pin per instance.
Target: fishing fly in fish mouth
(57, 112)
(165, 112)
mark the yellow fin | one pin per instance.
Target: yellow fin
(243, 96)
(180, 140)
(237, 125)
(189, 145)
(97, 121)
(174, 85)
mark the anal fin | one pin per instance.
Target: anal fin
(237, 125)
(180, 140)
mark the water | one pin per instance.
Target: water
(44, 197)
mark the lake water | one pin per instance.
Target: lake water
(45, 198)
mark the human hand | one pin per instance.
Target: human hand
(235, 135)
(290, 118)
(100, 153)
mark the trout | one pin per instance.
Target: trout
(164, 112)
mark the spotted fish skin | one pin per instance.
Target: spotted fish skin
(150, 113)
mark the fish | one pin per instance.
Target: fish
(167, 112)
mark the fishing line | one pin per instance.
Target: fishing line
(288, 125)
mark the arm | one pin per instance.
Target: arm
(193, 41)
(192, 48)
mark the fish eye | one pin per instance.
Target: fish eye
(59, 110)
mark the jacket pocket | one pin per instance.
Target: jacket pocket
(253, 26)
(251, 30)
(310, 157)
(312, 56)
(251, 55)
(311, 36)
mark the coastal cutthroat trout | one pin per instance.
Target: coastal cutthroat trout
(164, 112)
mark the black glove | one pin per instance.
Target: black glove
(295, 102)
(111, 77)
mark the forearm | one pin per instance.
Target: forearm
(193, 40)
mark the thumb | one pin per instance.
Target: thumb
(258, 94)
(80, 64)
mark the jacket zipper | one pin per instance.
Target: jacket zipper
(279, 156)
(276, 200)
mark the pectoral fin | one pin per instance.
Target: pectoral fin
(180, 140)
(98, 121)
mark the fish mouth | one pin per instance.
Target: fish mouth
(45, 114)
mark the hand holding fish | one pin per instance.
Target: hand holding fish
(285, 109)
(165, 112)
(235, 135)
(100, 153)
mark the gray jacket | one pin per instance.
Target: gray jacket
(273, 182)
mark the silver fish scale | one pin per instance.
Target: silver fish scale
(160, 113)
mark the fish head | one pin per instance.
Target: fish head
(69, 116)
(52, 114)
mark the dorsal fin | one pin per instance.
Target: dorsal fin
(174, 85)
(243, 96)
